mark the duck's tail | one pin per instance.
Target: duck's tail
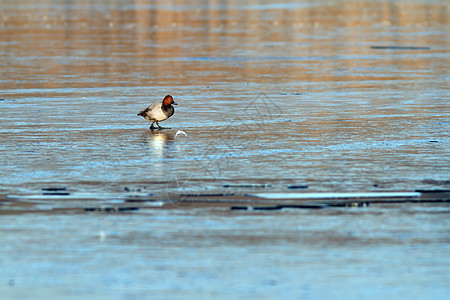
(142, 113)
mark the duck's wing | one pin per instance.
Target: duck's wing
(147, 110)
(144, 112)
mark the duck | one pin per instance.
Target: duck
(159, 111)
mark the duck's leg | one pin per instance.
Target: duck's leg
(151, 127)
(160, 127)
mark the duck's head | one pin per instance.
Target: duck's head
(168, 100)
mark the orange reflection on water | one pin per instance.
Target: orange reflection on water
(142, 43)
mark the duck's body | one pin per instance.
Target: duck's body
(157, 112)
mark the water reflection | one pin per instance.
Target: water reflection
(137, 43)
(313, 59)
(161, 142)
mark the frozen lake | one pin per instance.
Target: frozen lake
(274, 97)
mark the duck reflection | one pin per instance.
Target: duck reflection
(160, 142)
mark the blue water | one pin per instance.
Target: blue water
(270, 95)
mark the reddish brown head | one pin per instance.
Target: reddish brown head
(168, 100)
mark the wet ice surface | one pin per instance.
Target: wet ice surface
(271, 94)
(388, 252)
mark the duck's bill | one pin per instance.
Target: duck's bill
(174, 103)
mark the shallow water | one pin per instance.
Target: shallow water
(266, 91)
(270, 93)
(386, 252)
